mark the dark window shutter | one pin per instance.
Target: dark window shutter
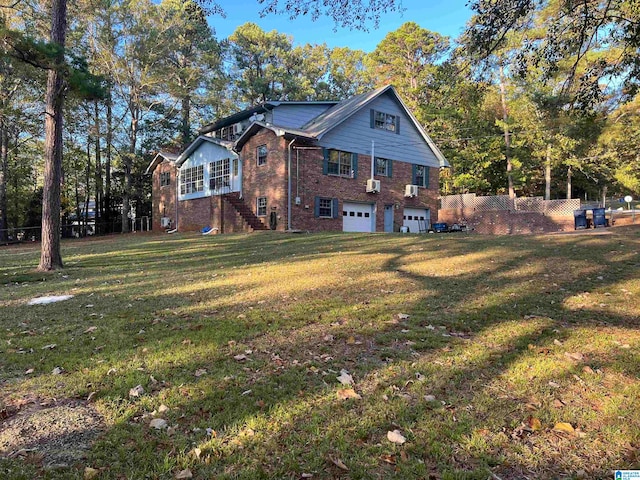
(316, 207)
(389, 168)
(373, 118)
(354, 164)
(414, 167)
(334, 203)
(325, 162)
(397, 124)
(426, 177)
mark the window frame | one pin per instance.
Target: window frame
(424, 176)
(385, 121)
(219, 170)
(261, 160)
(165, 179)
(258, 206)
(386, 167)
(344, 160)
(321, 207)
(192, 180)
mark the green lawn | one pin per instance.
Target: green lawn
(473, 347)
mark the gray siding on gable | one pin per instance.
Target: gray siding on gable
(294, 116)
(355, 135)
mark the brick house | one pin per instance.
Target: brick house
(304, 166)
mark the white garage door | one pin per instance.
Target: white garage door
(417, 219)
(358, 217)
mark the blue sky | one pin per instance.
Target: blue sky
(445, 17)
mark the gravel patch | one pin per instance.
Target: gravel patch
(61, 434)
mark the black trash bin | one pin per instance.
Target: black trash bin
(580, 219)
(599, 219)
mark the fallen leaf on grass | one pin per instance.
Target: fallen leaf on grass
(90, 396)
(196, 452)
(396, 437)
(557, 342)
(29, 371)
(339, 463)
(346, 393)
(345, 378)
(51, 346)
(558, 403)
(136, 391)
(402, 316)
(90, 473)
(351, 340)
(390, 459)
(158, 423)
(200, 372)
(578, 357)
(563, 427)
(57, 371)
(90, 330)
(534, 424)
(184, 474)
(162, 408)
(241, 358)
(306, 475)
(588, 369)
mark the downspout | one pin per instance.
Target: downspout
(289, 183)
(177, 198)
(297, 173)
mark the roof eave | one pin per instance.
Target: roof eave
(157, 160)
(196, 143)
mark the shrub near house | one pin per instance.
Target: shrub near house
(304, 165)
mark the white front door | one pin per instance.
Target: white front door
(358, 217)
(416, 219)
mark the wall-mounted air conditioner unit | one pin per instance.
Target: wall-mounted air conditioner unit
(237, 128)
(411, 190)
(165, 222)
(373, 186)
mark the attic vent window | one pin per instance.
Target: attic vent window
(385, 121)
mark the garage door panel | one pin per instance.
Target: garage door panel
(357, 217)
(416, 219)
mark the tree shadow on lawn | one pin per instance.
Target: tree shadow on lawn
(296, 408)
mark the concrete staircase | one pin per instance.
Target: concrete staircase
(244, 211)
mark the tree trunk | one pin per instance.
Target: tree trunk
(99, 209)
(569, 172)
(507, 136)
(186, 121)
(107, 164)
(87, 189)
(547, 174)
(128, 165)
(78, 210)
(4, 166)
(50, 257)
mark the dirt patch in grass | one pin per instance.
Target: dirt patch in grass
(57, 433)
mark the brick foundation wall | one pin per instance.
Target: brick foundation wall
(163, 199)
(195, 214)
(313, 183)
(269, 180)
